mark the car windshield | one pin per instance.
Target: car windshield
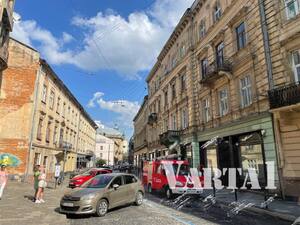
(183, 170)
(100, 181)
(87, 173)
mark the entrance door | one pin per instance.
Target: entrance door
(224, 158)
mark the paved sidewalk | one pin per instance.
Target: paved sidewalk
(286, 210)
(16, 206)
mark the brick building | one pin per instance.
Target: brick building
(41, 122)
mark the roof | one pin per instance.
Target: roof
(141, 108)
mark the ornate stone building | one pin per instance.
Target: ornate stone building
(41, 122)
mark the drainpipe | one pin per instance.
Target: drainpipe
(33, 117)
(264, 28)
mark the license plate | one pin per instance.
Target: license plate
(68, 204)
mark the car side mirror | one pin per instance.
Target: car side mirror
(116, 186)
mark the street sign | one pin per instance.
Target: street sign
(57, 170)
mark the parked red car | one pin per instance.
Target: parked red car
(80, 179)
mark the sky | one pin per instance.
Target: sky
(102, 49)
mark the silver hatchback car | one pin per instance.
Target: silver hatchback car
(102, 193)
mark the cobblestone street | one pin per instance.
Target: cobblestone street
(16, 208)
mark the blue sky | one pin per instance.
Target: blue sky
(102, 50)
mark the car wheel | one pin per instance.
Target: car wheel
(139, 198)
(168, 192)
(149, 188)
(102, 208)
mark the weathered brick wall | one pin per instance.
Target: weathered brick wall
(16, 103)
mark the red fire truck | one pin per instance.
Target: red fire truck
(154, 177)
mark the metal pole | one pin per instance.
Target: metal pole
(65, 156)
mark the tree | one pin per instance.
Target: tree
(100, 162)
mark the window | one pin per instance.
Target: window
(206, 110)
(241, 36)
(51, 99)
(204, 65)
(117, 180)
(48, 131)
(101, 155)
(45, 162)
(166, 98)
(183, 81)
(182, 51)
(101, 147)
(44, 94)
(223, 96)
(184, 118)
(58, 105)
(39, 131)
(292, 8)
(202, 29)
(37, 159)
(174, 124)
(64, 110)
(246, 96)
(55, 135)
(129, 179)
(296, 65)
(174, 61)
(217, 12)
(173, 87)
(220, 54)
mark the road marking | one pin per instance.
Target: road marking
(179, 219)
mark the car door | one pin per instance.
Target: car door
(131, 187)
(117, 196)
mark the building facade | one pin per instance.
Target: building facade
(140, 138)
(208, 91)
(105, 149)
(42, 123)
(6, 21)
(284, 96)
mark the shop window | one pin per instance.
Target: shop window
(246, 93)
(296, 65)
(292, 8)
(241, 36)
(223, 96)
(212, 160)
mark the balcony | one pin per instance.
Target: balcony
(285, 96)
(152, 118)
(169, 137)
(216, 70)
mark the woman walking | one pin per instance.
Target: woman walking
(3, 179)
(41, 186)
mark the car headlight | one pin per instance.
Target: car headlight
(88, 196)
(180, 184)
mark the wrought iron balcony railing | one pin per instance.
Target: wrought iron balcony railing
(285, 96)
(215, 69)
(169, 137)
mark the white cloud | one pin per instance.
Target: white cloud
(125, 109)
(125, 45)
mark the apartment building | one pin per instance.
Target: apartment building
(6, 21)
(140, 141)
(105, 149)
(208, 91)
(284, 96)
(41, 122)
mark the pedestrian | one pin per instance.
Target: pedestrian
(41, 186)
(36, 174)
(3, 179)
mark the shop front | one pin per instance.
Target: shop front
(246, 145)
